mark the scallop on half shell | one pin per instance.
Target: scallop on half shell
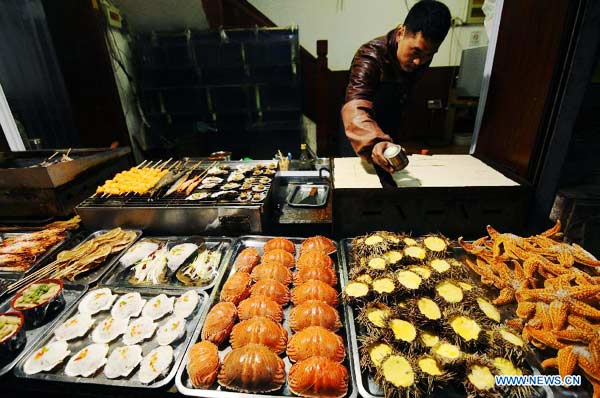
(74, 327)
(186, 304)
(122, 360)
(171, 330)
(155, 363)
(109, 329)
(47, 357)
(87, 361)
(127, 306)
(158, 306)
(96, 301)
(139, 330)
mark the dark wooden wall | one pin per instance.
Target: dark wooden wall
(529, 57)
(77, 30)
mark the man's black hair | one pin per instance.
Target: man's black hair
(429, 17)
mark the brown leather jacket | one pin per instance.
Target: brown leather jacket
(377, 89)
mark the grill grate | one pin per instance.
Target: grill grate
(177, 199)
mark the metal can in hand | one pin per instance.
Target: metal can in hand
(395, 157)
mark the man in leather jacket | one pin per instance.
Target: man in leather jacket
(382, 75)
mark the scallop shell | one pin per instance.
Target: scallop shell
(171, 330)
(87, 361)
(122, 360)
(128, 305)
(74, 327)
(186, 304)
(199, 195)
(158, 306)
(155, 363)
(47, 357)
(109, 329)
(139, 330)
(96, 301)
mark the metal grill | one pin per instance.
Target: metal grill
(175, 214)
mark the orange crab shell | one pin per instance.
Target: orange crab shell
(316, 341)
(252, 368)
(318, 243)
(314, 313)
(219, 321)
(247, 260)
(318, 377)
(259, 330)
(203, 364)
(273, 289)
(324, 274)
(314, 290)
(280, 243)
(260, 306)
(314, 258)
(275, 271)
(279, 256)
(236, 288)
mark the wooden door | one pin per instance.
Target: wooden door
(531, 55)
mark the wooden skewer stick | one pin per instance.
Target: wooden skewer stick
(68, 152)
(53, 155)
(174, 165)
(140, 165)
(39, 274)
(165, 163)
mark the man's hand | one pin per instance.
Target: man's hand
(379, 159)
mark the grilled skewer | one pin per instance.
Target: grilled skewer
(181, 180)
(167, 179)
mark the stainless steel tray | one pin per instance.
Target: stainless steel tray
(182, 380)
(90, 277)
(367, 387)
(118, 274)
(72, 294)
(301, 192)
(39, 261)
(98, 378)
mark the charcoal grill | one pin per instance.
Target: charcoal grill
(34, 194)
(175, 215)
